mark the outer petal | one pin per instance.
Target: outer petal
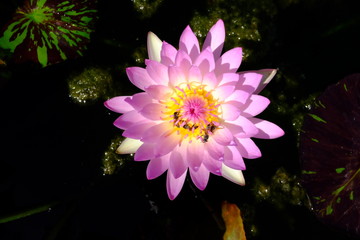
(215, 150)
(168, 54)
(178, 164)
(145, 152)
(256, 104)
(249, 81)
(233, 175)
(158, 72)
(189, 43)
(212, 165)
(268, 75)
(154, 133)
(242, 127)
(157, 166)
(152, 111)
(215, 38)
(174, 185)
(117, 104)
(194, 155)
(128, 119)
(128, 146)
(154, 45)
(247, 148)
(159, 92)
(183, 61)
(205, 61)
(229, 61)
(267, 130)
(201, 177)
(137, 130)
(166, 143)
(224, 137)
(233, 158)
(139, 100)
(230, 111)
(139, 77)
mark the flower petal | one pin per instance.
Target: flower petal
(233, 175)
(205, 61)
(152, 111)
(139, 100)
(158, 72)
(145, 152)
(201, 177)
(139, 77)
(215, 38)
(214, 149)
(212, 165)
(222, 92)
(154, 45)
(194, 155)
(194, 74)
(247, 148)
(233, 158)
(159, 92)
(176, 76)
(229, 61)
(166, 143)
(249, 81)
(230, 111)
(183, 61)
(117, 104)
(256, 104)
(223, 136)
(210, 80)
(168, 54)
(189, 43)
(157, 166)
(137, 130)
(128, 146)
(155, 132)
(174, 185)
(268, 75)
(178, 164)
(128, 119)
(267, 130)
(239, 96)
(242, 127)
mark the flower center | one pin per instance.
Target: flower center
(194, 112)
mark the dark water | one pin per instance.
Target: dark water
(52, 147)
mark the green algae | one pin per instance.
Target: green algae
(146, 8)
(90, 85)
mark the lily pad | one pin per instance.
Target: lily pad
(330, 155)
(49, 31)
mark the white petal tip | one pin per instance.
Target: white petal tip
(233, 175)
(128, 146)
(154, 45)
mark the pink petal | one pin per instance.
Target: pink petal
(267, 130)
(215, 38)
(223, 136)
(212, 165)
(233, 158)
(166, 143)
(117, 104)
(210, 80)
(228, 78)
(183, 61)
(189, 43)
(159, 92)
(176, 76)
(239, 96)
(248, 81)
(205, 61)
(256, 104)
(195, 155)
(128, 119)
(145, 152)
(137, 130)
(247, 148)
(152, 111)
(168, 54)
(158, 72)
(139, 77)
(139, 100)
(157, 166)
(155, 132)
(214, 149)
(222, 92)
(229, 61)
(268, 75)
(154, 46)
(194, 74)
(230, 111)
(178, 165)
(201, 177)
(174, 185)
(242, 127)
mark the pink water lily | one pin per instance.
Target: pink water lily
(196, 113)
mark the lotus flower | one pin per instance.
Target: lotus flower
(196, 113)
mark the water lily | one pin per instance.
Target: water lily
(196, 113)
